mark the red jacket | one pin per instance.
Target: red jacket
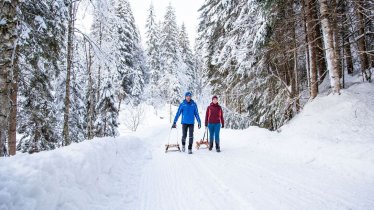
(214, 114)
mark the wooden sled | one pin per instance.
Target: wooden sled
(170, 148)
(203, 141)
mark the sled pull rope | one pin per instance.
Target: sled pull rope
(207, 134)
(170, 135)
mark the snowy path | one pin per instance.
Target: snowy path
(243, 177)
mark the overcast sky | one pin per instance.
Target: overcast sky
(186, 11)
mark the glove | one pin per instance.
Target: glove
(222, 126)
(174, 125)
(199, 126)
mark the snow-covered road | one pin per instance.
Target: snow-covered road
(323, 159)
(246, 176)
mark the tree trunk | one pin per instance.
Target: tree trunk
(348, 55)
(307, 57)
(2, 151)
(91, 107)
(336, 33)
(361, 41)
(321, 61)
(347, 45)
(8, 43)
(329, 45)
(99, 69)
(312, 48)
(105, 123)
(12, 135)
(67, 140)
(295, 81)
(294, 72)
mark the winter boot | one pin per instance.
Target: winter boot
(189, 151)
(218, 148)
(183, 148)
(210, 146)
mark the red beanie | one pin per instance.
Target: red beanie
(214, 97)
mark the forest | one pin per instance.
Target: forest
(265, 58)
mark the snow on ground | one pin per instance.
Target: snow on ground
(322, 159)
(97, 174)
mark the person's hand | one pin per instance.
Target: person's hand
(199, 126)
(222, 126)
(174, 125)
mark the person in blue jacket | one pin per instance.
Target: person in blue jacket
(188, 110)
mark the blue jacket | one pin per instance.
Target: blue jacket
(189, 111)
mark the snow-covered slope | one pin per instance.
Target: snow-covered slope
(97, 174)
(322, 159)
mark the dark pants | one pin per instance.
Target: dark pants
(190, 128)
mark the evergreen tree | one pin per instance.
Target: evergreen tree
(107, 122)
(104, 35)
(78, 123)
(42, 41)
(153, 57)
(128, 51)
(199, 71)
(140, 74)
(170, 58)
(189, 77)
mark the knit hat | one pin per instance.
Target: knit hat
(188, 94)
(214, 97)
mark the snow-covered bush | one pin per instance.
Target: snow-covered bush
(134, 116)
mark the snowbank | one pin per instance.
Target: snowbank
(88, 175)
(338, 130)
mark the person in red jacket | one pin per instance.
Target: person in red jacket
(214, 121)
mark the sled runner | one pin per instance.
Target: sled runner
(203, 141)
(172, 147)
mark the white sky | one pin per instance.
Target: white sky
(186, 11)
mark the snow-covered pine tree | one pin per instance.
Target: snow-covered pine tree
(140, 74)
(213, 15)
(41, 46)
(126, 40)
(79, 83)
(199, 70)
(153, 58)
(170, 58)
(69, 65)
(138, 83)
(188, 71)
(129, 53)
(107, 122)
(104, 34)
